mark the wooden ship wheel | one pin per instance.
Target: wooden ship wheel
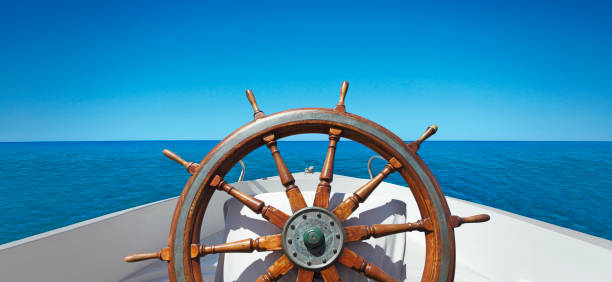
(326, 231)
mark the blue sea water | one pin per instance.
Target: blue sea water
(47, 185)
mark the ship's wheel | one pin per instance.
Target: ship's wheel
(313, 239)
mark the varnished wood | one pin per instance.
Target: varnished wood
(351, 203)
(357, 233)
(251, 202)
(431, 130)
(439, 259)
(356, 262)
(363, 232)
(456, 221)
(365, 191)
(274, 216)
(189, 166)
(296, 199)
(330, 274)
(327, 172)
(257, 113)
(343, 89)
(270, 213)
(279, 268)
(163, 254)
(265, 243)
(304, 275)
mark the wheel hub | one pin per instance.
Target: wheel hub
(313, 238)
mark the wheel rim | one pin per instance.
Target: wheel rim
(187, 220)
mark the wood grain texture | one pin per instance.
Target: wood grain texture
(346, 208)
(457, 221)
(296, 199)
(440, 254)
(257, 113)
(330, 274)
(340, 107)
(270, 213)
(274, 216)
(304, 275)
(279, 268)
(327, 172)
(431, 130)
(251, 202)
(357, 233)
(265, 243)
(364, 232)
(191, 167)
(163, 254)
(356, 262)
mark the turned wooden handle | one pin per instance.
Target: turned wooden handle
(364, 191)
(279, 268)
(270, 213)
(191, 167)
(364, 232)
(251, 97)
(143, 256)
(327, 172)
(343, 91)
(351, 259)
(431, 130)
(251, 202)
(340, 106)
(257, 113)
(296, 199)
(171, 155)
(265, 243)
(350, 204)
(458, 221)
(476, 218)
(164, 254)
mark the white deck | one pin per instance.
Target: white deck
(507, 248)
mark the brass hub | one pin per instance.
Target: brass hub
(313, 238)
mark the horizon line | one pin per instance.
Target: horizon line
(344, 140)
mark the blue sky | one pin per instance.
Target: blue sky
(148, 70)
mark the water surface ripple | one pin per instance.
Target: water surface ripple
(47, 185)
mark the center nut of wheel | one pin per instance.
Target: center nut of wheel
(313, 238)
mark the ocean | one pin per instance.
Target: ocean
(47, 185)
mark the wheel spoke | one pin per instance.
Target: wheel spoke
(304, 275)
(356, 262)
(327, 172)
(296, 200)
(363, 232)
(349, 205)
(265, 243)
(330, 274)
(270, 213)
(279, 268)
